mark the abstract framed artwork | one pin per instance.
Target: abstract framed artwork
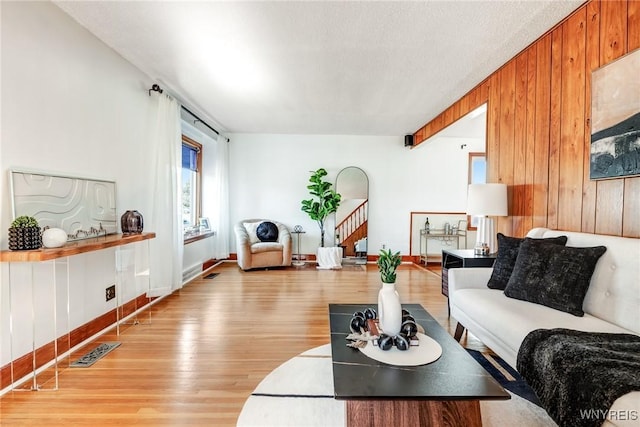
(82, 207)
(615, 119)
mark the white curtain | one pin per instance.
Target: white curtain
(220, 217)
(164, 186)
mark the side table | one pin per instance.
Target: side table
(461, 258)
(298, 262)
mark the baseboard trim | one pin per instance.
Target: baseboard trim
(23, 365)
(209, 263)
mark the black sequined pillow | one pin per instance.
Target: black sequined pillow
(508, 248)
(553, 275)
(267, 232)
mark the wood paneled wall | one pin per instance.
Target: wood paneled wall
(538, 126)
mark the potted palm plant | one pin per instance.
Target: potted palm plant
(389, 307)
(324, 200)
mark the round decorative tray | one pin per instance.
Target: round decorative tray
(427, 352)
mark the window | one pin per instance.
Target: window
(477, 175)
(191, 183)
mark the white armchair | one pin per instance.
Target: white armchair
(274, 251)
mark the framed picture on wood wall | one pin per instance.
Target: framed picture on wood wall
(615, 119)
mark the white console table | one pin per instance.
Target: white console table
(28, 365)
(448, 239)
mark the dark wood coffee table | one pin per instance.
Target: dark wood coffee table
(445, 392)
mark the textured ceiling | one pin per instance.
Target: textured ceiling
(360, 68)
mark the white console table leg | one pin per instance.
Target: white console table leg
(35, 370)
(121, 278)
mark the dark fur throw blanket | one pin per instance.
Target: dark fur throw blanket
(578, 375)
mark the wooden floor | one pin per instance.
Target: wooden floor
(209, 345)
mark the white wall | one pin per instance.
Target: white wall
(71, 105)
(270, 173)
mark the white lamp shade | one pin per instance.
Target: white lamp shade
(487, 200)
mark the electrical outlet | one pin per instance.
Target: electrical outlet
(110, 293)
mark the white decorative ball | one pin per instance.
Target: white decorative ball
(54, 238)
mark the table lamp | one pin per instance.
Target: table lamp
(484, 201)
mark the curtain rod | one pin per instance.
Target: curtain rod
(199, 119)
(157, 88)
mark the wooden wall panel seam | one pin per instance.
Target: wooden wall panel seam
(555, 127)
(571, 149)
(542, 133)
(592, 61)
(633, 25)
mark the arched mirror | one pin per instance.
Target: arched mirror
(353, 213)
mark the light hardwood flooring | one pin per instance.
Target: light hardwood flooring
(208, 346)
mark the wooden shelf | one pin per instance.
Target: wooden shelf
(74, 248)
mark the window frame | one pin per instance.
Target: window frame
(198, 147)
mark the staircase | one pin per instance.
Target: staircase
(353, 228)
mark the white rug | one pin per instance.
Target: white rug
(300, 393)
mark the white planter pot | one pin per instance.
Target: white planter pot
(329, 258)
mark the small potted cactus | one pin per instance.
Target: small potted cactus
(24, 234)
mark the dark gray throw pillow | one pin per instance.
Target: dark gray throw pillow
(553, 275)
(508, 248)
(267, 232)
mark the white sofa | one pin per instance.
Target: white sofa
(612, 303)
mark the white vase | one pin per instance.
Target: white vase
(54, 238)
(389, 309)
